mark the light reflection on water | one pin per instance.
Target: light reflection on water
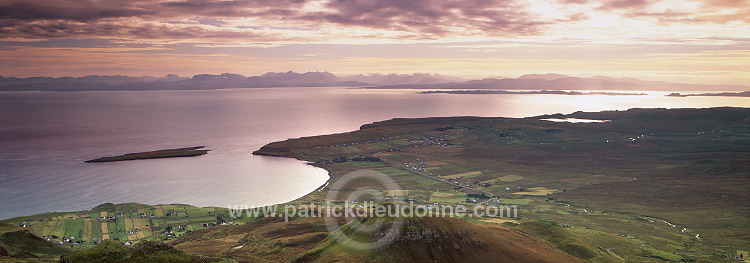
(46, 136)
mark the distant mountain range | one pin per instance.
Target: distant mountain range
(563, 82)
(401, 79)
(173, 82)
(326, 79)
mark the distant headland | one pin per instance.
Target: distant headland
(723, 94)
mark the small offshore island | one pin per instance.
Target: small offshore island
(166, 153)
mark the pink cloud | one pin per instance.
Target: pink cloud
(115, 18)
(205, 20)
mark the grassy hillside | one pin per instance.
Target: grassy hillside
(143, 252)
(23, 246)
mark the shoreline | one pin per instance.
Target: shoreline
(307, 162)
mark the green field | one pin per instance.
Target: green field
(128, 224)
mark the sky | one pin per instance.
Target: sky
(689, 41)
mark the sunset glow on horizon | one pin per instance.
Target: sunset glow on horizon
(689, 41)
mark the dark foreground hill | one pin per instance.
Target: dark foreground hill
(143, 252)
(429, 239)
(21, 245)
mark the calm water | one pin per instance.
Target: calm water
(46, 136)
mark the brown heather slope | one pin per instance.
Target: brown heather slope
(447, 239)
(431, 239)
(265, 240)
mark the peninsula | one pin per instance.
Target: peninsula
(166, 153)
(634, 177)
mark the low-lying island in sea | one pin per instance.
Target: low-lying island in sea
(166, 153)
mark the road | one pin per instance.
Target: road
(422, 173)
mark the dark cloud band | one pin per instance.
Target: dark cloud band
(206, 19)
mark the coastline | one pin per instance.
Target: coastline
(260, 152)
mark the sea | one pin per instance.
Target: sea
(45, 137)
